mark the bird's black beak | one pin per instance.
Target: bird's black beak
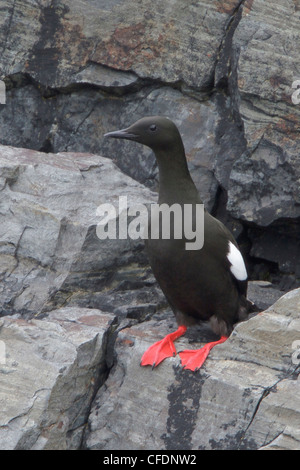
(122, 134)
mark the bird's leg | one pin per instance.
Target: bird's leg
(162, 349)
(193, 359)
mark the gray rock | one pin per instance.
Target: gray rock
(104, 77)
(74, 71)
(81, 311)
(83, 70)
(163, 43)
(49, 374)
(246, 396)
(256, 181)
(280, 244)
(65, 124)
(263, 293)
(50, 251)
(271, 120)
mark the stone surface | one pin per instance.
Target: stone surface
(62, 124)
(74, 71)
(50, 252)
(264, 181)
(81, 311)
(49, 375)
(68, 36)
(263, 293)
(246, 396)
(224, 72)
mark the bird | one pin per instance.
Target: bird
(208, 284)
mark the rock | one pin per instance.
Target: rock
(50, 373)
(135, 57)
(256, 182)
(68, 37)
(50, 252)
(84, 71)
(84, 310)
(278, 244)
(104, 77)
(246, 396)
(263, 293)
(79, 126)
(270, 166)
(74, 71)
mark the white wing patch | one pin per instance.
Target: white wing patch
(235, 258)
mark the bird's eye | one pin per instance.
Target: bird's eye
(153, 128)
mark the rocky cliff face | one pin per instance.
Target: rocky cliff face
(223, 70)
(81, 310)
(78, 312)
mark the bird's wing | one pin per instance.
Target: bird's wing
(234, 259)
(237, 265)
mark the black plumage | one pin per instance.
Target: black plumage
(208, 284)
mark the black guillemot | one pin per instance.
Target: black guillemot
(209, 284)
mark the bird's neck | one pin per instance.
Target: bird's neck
(175, 182)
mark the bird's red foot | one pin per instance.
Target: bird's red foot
(194, 359)
(162, 349)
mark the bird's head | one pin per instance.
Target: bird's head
(156, 132)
